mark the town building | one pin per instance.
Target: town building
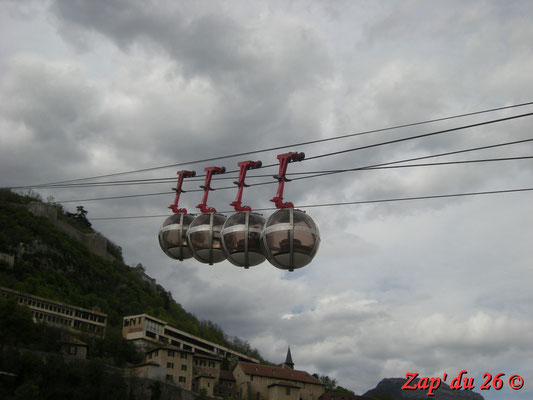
(146, 332)
(206, 373)
(226, 387)
(72, 347)
(63, 315)
(283, 382)
(178, 364)
(149, 370)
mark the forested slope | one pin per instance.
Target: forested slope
(51, 264)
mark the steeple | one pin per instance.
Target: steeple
(288, 360)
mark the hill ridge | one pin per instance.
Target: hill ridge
(55, 264)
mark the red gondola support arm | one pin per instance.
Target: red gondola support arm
(174, 207)
(284, 160)
(210, 171)
(244, 167)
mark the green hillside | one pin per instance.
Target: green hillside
(59, 267)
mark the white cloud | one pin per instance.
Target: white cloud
(431, 286)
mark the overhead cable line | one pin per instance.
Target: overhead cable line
(448, 153)
(166, 180)
(397, 199)
(387, 165)
(293, 144)
(453, 162)
(336, 171)
(419, 136)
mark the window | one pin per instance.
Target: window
(288, 391)
(257, 396)
(72, 350)
(181, 379)
(184, 355)
(212, 364)
(149, 356)
(169, 378)
(203, 363)
(183, 367)
(170, 353)
(251, 378)
(170, 365)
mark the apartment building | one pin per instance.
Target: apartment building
(178, 364)
(63, 315)
(146, 332)
(206, 373)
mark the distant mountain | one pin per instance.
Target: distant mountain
(391, 389)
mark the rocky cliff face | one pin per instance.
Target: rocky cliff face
(391, 389)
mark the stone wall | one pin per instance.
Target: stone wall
(95, 242)
(43, 210)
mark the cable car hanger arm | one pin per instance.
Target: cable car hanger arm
(210, 171)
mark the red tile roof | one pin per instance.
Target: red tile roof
(226, 375)
(151, 363)
(67, 339)
(278, 372)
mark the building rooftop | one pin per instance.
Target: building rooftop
(278, 372)
(67, 339)
(45, 300)
(226, 375)
(168, 347)
(148, 363)
(206, 357)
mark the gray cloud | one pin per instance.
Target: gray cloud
(431, 286)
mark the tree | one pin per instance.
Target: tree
(329, 383)
(340, 389)
(16, 323)
(81, 215)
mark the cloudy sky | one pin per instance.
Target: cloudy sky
(431, 286)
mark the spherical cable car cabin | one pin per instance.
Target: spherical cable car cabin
(203, 234)
(290, 238)
(173, 233)
(173, 236)
(203, 237)
(241, 234)
(241, 239)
